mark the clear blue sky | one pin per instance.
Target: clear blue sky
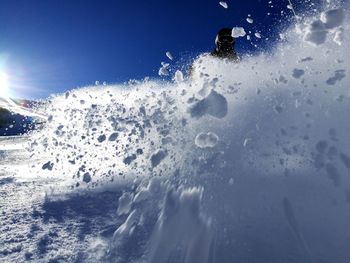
(50, 46)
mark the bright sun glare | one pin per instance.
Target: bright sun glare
(3, 84)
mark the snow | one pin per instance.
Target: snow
(181, 223)
(169, 55)
(333, 18)
(157, 157)
(250, 20)
(339, 36)
(238, 32)
(164, 70)
(206, 140)
(124, 203)
(200, 169)
(214, 105)
(178, 77)
(297, 73)
(316, 31)
(257, 35)
(223, 4)
(338, 76)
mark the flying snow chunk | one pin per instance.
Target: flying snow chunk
(290, 7)
(158, 157)
(179, 77)
(101, 138)
(297, 73)
(316, 33)
(164, 70)
(338, 76)
(257, 35)
(48, 166)
(250, 20)
(206, 140)
(113, 136)
(214, 104)
(333, 18)
(169, 55)
(87, 178)
(223, 4)
(238, 32)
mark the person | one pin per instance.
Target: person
(224, 49)
(225, 44)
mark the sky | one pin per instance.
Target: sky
(53, 46)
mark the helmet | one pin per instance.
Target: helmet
(224, 37)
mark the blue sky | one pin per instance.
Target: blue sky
(52, 46)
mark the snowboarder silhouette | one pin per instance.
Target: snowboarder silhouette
(224, 48)
(225, 44)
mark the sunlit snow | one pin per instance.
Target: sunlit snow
(239, 162)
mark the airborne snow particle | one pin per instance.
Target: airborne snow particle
(338, 76)
(128, 160)
(246, 142)
(101, 138)
(158, 157)
(250, 20)
(333, 18)
(316, 33)
(306, 59)
(113, 137)
(339, 36)
(214, 104)
(164, 70)
(223, 4)
(179, 77)
(87, 178)
(297, 73)
(169, 55)
(238, 32)
(48, 166)
(206, 140)
(257, 35)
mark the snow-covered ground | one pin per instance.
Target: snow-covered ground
(243, 162)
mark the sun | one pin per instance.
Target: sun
(3, 84)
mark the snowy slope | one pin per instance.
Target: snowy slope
(243, 162)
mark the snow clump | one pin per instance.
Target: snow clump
(330, 21)
(206, 140)
(223, 4)
(238, 32)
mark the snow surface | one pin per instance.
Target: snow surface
(119, 173)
